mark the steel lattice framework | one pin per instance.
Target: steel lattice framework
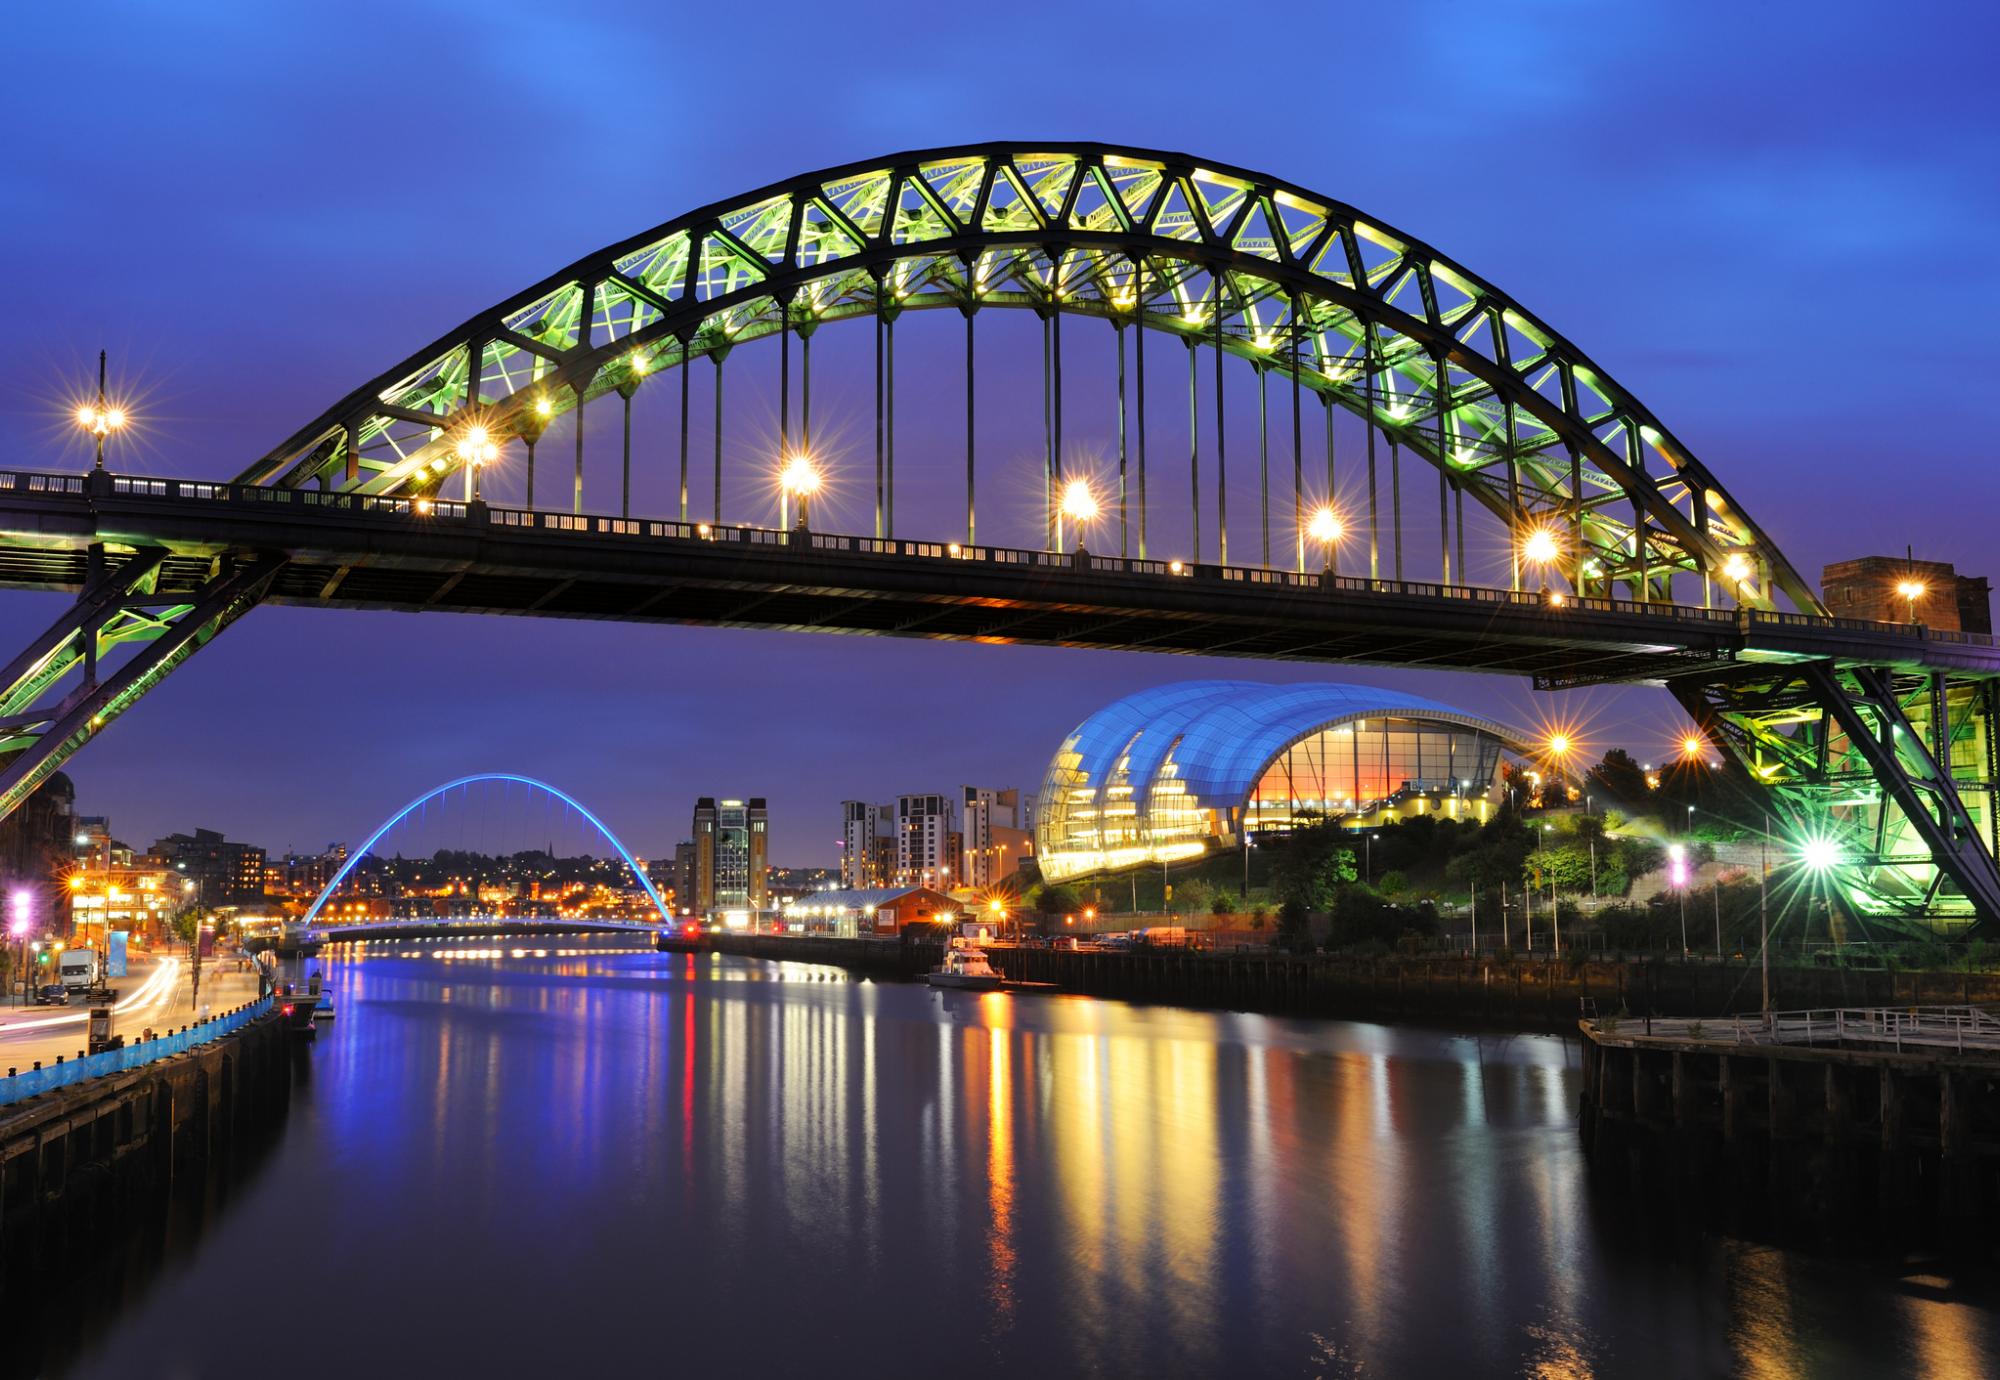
(1365, 316)
(1880, 736)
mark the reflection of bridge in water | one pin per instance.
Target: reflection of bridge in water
(1602, 550)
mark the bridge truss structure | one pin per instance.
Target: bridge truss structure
(1878, 736)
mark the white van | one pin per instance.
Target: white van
(77, 969)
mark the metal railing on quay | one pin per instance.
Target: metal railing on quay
(432, 510)
(1899, 1028)
(32, 1082)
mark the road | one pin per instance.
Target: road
(157, 993)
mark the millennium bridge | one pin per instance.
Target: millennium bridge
(1624, 559)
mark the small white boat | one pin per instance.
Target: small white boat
(965, 966)
(323, 1010)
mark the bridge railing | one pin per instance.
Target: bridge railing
(433, 510)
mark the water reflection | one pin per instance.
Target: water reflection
(706, 1163)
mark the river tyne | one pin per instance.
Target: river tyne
(505, 1162)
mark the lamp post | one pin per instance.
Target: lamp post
(1911, 591)
(1079, 505)
(1737, 569)
(18, 926)
(100, 419)
(1764, 912)
(1327, 529)
(798, 480)
(1541, 549)
(476, 450)
(1677, 877)
(1555, 914)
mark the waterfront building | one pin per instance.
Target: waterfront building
(684, 876)
(225, 873)
(862, 912)
(731, 856)
(870, 845)
(994, 842)
(35, 844)
(1177, 770)
(925, 854)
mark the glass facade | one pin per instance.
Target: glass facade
(1167, 772)
(1362, 766)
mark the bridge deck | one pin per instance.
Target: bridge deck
(358, 551)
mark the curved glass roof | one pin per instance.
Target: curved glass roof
(1222, 733)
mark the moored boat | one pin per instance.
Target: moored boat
(965, 967)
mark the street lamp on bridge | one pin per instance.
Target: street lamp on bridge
(476, 450)
(1541, 548)
(100, 419)
(1079, 505)
(1909, 591)
(1736, 570)
(1327, 529)
(799, 479)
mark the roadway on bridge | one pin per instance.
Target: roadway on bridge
(158, 992)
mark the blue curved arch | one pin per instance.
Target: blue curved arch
(666, 917)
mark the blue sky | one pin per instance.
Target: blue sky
(1769, 222)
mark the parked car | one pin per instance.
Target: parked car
(52, 994)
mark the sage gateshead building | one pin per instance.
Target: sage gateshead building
(1177, 770)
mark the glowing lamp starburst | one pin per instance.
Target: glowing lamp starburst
(1326, 526)
(800, 476)
(1540, 546)
(1079, 504)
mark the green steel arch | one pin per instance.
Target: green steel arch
(1365, 316)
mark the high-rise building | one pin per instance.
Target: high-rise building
(995, 839)
(857, 845)
(924, 847)
(731, 855)
(684, 876)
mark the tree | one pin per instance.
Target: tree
(1567, 867)
(1313, 864)
(1223, 904)
(1620, 777)
(1053, 898)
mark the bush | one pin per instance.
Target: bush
(1293, 931)
(1393, 883)
(1223, 904)
(1258, 915)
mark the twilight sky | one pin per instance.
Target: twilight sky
(1770, 222)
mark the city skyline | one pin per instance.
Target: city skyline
(1728, 249)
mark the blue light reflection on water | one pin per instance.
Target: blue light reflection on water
(508, 1164)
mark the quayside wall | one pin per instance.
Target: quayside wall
(1839, 1144)
(1527, 994)
(78, 1161)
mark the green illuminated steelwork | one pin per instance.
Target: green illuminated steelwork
(1364, 315)
(44, 719)
(1890, 776)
